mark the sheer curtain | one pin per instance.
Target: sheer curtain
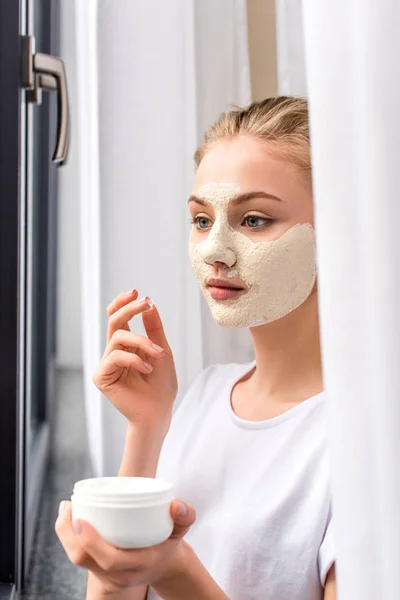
(353, 79)
(152, 77)
(290, 48)
(347, 55)
(87, 131)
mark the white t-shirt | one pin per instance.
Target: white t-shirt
(261, 491)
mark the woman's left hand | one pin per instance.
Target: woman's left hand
(115, 568)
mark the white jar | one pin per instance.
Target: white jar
(128, 512)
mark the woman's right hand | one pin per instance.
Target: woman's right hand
(137, 373)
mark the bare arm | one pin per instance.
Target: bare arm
(142, 451)
(191, 580)
(96, 592)
(330, 585)
(140, 459)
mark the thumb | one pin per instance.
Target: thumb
(184, 516)
(154, 328)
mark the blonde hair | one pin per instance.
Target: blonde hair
(281, 122)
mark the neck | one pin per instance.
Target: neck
(288, 354)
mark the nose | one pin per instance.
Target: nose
(225, 259)
(215, 250)
(221, 265)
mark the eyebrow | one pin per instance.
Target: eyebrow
(239, 199)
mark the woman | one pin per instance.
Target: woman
(246, 449)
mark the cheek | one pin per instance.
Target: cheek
(194, 252)
(199, 267)
(252, 265)
(270, 234)
(196, 236)
(275, 231)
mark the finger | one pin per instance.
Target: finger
(123, 340)
(118, 303)
(69, 540)
(184, 516)
(119, 359)
(77, 553)
(121, 300)
(108, 557)
(154, 328)
(121, 317)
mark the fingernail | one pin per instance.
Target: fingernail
(61, 508)
(130, 293)
(149, 302)
(158, 348)
(77, 526)
(182, 510)
(149, 367)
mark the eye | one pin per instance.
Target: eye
(201, 222)
(256, 222)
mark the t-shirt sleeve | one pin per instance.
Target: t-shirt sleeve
(326, 554)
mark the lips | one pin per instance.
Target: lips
(220, 289)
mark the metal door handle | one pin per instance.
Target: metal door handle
(44, 72)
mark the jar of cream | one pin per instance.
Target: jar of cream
(128, 512)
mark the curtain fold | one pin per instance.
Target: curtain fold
(87, 131)
(354, 92)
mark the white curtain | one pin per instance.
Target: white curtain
(353, 78)
(162, 72)
(87, 132)
(290, 48)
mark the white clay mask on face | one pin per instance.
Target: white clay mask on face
(279, 274)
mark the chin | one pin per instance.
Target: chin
(231, 321)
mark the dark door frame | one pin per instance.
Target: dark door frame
(43, 199)
(11, 293)
(22, 469)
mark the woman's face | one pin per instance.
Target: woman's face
(245, 207)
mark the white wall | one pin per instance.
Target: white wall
(69, 320)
